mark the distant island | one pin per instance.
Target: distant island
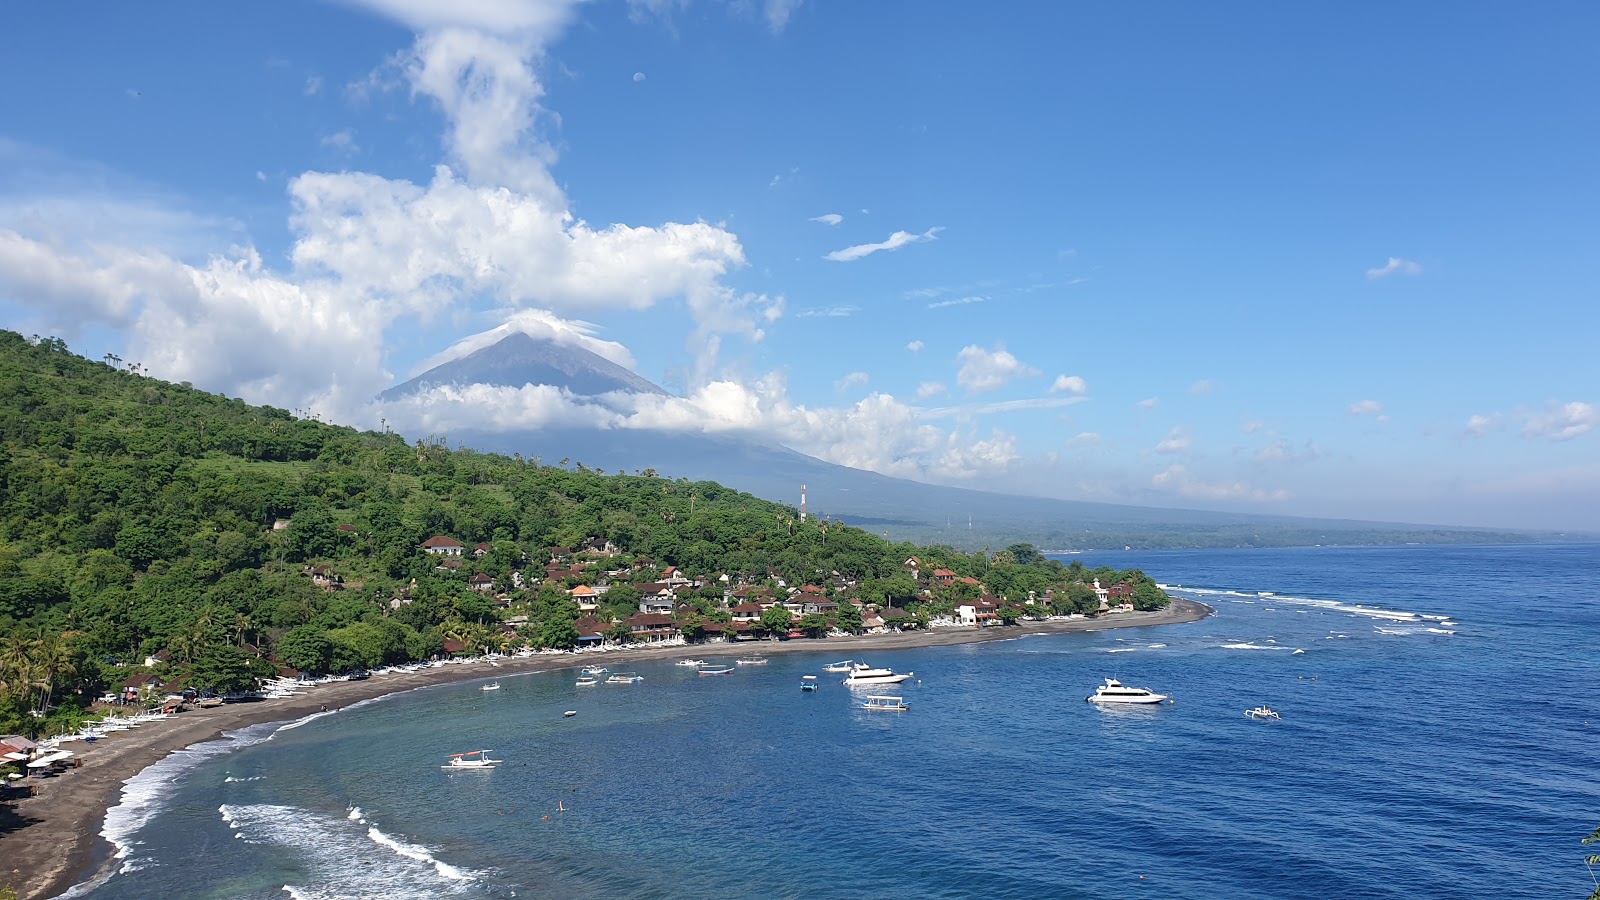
(159, 541)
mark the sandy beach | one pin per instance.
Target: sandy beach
(52, 840)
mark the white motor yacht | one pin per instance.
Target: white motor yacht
(862, 674)
(1114, 691)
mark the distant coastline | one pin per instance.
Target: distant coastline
(53, 840)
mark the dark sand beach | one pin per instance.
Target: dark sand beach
(52, 841)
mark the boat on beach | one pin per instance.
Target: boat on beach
(862, 674)
(1263, 712)
(717, 670)
(892, 704)
(474, 760)
(1114, 691)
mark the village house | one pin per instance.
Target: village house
(439, 545)
(480, 549)
(598, 547)
(447, 565)
(746, 612)
(943, 576)
(981, 612)
(587, 598)
(324, 577)
(481, 583)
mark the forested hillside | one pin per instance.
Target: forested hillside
(145, 519)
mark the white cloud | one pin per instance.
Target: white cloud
(829, 219)
(929, 389)
(1069, 384)
(1201, 388)
(313, 86)
(1177, 480)
(523, 19)
(1365, 408)
(1395, 266)
(778, 13)
(1478, 425)
(854, 379)
(261, 176)
(1280, 451)
(1149, 403)
(343, 141)
(1562, 422)
(914, 346)
(1176, 442)
(965, 458)
(971, 410)
(1086, 439)
(958, 301)
(986, 370)
(1252, 426)
(895, 241)
(827, 312)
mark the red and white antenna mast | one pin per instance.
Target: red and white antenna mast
(802, 503)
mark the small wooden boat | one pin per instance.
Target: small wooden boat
(588, 681)
(752, 661)
(1262, 712)
(838, 667)
(893, 704)
(723, 670)
(625, 678)
(472, 759)
(569, 713)
(491, 687)
(808, 683)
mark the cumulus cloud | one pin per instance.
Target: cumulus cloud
(1395, 266)
(1149, 403)
(930, 389)
(491, 229)
(1201, 388)
(343, 141)
(1479, 425)
(853, 379)
(986, 370)
(1280, 451)
(1252, 426)
(313, 86)
(894, 242)
(1365, 408)
(914, 346)
(1068, 384)
(777, 13)
(828, 219)
(965, 458)
(1085, 439)
(1179, 481)
(1563, 421)
(1176, 442)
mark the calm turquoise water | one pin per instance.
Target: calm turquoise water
(1410, 762)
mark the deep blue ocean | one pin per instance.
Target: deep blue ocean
(1440, 738)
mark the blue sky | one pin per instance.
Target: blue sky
(1333, 262)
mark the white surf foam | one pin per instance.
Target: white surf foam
(1246, 645)
(346, 856)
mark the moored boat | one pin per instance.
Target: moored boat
(625, 678)
(472, 759)
(862, 674)
(690, 663)
(717, 670)
(751, 661)
(1114, 691)
(892, 704)
(1262, 712)
(808, 682)
(839, 667)
(491, 687)
(587, 681)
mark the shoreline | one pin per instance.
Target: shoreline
(53, 840)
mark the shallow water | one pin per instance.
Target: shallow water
(1444, 756)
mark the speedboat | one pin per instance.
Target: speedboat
(587, 681)
(718, 670)
(472, 759)
(1113, 691)
(490, 687)
(690, 663)
(625, 678)
(838, 667)
(862, 674)
(752, 661)
(1262, 712)
(808, 682)
(893, 704)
